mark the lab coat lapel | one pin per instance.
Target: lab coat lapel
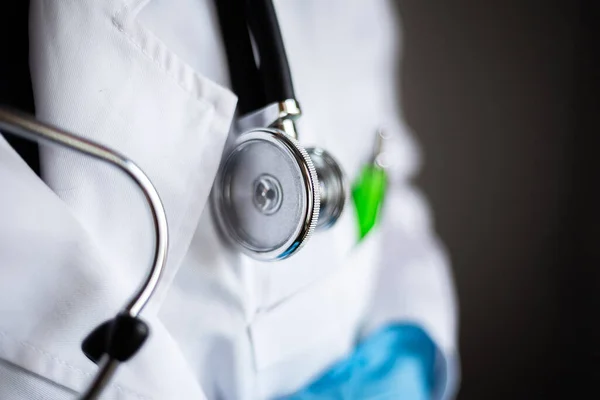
(112, 81)
(97, 72)
(56, 286)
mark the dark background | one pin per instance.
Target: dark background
(502, 96)
(15, 83)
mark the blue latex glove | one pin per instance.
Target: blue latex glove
(396, 362)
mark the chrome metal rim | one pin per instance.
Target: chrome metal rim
(306, 224)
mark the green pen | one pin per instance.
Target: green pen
(368, 190)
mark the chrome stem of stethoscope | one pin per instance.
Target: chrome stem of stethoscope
(106, 369)
(27, 127)
(281, 115)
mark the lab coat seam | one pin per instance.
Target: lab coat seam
(144, 51)
(4, 335)
(218, 102)
(276, 333)
(204, 96)
(159, 297)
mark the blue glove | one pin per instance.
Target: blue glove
(396, 362)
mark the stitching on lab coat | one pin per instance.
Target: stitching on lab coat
(219, 101)
(5, 335)
(350, 272)
(119, 20)
(130, 38)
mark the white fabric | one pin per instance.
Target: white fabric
(149, 78)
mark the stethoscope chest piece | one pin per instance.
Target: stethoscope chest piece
(332, 186)
(267, 195)
(270, 193)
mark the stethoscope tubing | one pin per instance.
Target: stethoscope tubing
(258, 65)
(26, 127)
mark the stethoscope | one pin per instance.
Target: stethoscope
(270, 193)
(116, 340)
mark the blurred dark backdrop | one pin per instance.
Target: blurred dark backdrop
(501, 97)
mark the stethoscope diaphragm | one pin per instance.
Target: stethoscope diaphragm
(267, 195)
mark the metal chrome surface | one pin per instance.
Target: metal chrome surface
(106, 370)
(288, 126)
(229, 197)
(27, 127)
(289, 108)
(279, 115)
(332, 186)
(268, 194)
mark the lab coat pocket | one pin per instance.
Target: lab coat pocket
(318, 325)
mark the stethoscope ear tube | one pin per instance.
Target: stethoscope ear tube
(116, 340)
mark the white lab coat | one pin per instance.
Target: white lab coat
(149, 78)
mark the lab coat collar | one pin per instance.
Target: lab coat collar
(137, 97)
(98, 72)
